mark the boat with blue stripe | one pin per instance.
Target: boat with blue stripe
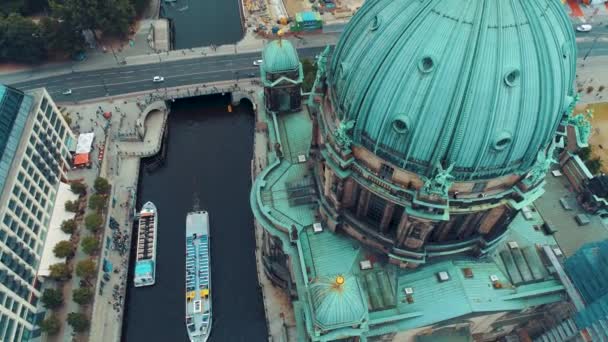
(198, 276)
(145, 262)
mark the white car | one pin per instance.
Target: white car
(157, 79)
(258, 62)
(584, 28)
(67, 92)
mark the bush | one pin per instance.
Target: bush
(584, 153)
(78, 321)
(52, 298)
(97, 202)
(71, 206)
(101, 185)
(63, 249)
(86, 269)
(89, 245)
(50, 325)
(78, 188)
(93, 222)
(83, 295)
(594, 165)
(68, 226)
(60, 271)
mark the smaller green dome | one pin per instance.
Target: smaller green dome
(280, 56)
(337, 302)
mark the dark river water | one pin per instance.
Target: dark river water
(203, 22)
(209, 154)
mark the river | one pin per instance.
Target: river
(203, 22)
(208, 154)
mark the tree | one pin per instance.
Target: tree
(97, 202)
(594, 165)
(112, 17)
(20, 40)
(68, 226)
(63, 249)
(86, 269)
(78, 321)
(78, 188)
(310, 73)
(50, 325)
(584, 153)
(62, 40)
(71, 206)
(60, 271)
(89, 245)
(93, 222)
(83, 295)
(52, 298)
(101, 185)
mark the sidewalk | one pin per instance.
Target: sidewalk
(586, 13)
(592, 74)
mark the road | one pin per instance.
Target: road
(127, 79)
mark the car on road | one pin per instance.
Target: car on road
(251, 74)
(584, 28)
(67, 92)
(157, 79)
(258, 62)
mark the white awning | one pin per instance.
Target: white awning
(55, 234)
(85, 142)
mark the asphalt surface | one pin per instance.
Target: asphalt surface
(128, 79)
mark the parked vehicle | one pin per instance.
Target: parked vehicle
(584, 28)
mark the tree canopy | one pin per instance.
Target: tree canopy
(78, 188)
(101, 185)
(68, 226)
(86, 268)
(112, 17)
(63, 249)
(60, 271)
(93, 222)
(97, 202)
(50, 325)
(71, 206)
(52, 298)
(78, 321)
(89, 245)
(20, 40)
(83, 295)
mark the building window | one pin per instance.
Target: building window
(26, 184)
(28, 203)
(14, 226)
(22, 197)
(20, 176)
(375, 209)
(386, 172)
(16, 191)
(11, 204)
(36, 228)
(28, 151)
(416, 233)
(20, 232)
(7, 220)
(2, 235)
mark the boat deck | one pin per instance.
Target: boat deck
(146, 236)
(198, 279)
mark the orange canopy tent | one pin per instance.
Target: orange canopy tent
(81, 159)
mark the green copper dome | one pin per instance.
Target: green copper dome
(280, 56)
(337, 302)
(477, 84)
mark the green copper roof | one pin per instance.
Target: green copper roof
(337, 304)
(280, 56)
(480, 84)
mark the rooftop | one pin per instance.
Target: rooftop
(284, 198)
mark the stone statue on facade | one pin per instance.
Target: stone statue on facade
(581, 122)
(342, 134)
(541, 166)
(439, 184)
